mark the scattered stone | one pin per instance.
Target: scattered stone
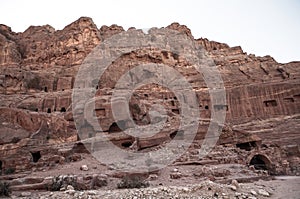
(91, 192)
(185, 189)
(252, 197)
(70, 187)
(152, 177)
(175, 175)
(251, 167)
(237, 194)
(25, 194)
(84, 168)
(253, 192)
(70, 191)
(235, 183)
(263, 193)
(233, 188)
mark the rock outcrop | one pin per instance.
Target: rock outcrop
(37, 73)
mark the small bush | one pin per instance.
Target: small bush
(130, 182)
(98, 182)
(62, 182)
(4, 189)
(9, 171)
(56, 184)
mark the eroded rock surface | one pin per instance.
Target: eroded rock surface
(37, 129)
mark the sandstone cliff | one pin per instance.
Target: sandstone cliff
(38, 67)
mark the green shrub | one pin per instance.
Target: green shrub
(56, 184)
(4, 189)
(9, 171)
(62, 182)
(130, 182)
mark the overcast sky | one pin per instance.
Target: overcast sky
(261, 27)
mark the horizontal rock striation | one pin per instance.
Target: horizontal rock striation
(37, 73)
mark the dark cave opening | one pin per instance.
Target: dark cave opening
(127, 144)
(260, 162)
(176, 111)
(114, 128)
(248, 146)
(36, 156)
(177, 134)
(269, 103)
(1, 166)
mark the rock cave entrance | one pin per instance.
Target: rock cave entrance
(79, 148)
(219, 107)
(63, 109)
(173, 103)
(127, 144)
(1, 166)
(260, 162)
(114, 128)
(269, 103)
(176, 111)
(117, 127)
(179, 134)
(36, 156)
(248, 146)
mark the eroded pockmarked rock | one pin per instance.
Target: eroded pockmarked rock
(37, 130)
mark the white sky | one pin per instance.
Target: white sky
(261, 27)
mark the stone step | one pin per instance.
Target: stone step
(199, 162)
(26, 187)
(29, 180)
(246, 179)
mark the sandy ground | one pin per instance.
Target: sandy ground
(285, 187)
(189, 186)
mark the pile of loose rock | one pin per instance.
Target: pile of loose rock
(205, 189)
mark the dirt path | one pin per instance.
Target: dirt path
(286, 187)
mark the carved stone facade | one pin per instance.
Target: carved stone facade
(37, 71)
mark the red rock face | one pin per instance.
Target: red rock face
(45, 46)
(38, 67)
(9, 51)
(181, 28)
(108, 31)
